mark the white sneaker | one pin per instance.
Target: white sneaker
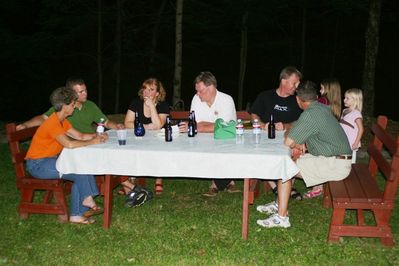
(275, 221)
(270, 208)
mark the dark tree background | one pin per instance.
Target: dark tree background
(45, 41)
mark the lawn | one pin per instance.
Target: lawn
(180, 228)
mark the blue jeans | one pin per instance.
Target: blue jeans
(83, 185)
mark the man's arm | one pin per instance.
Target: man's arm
(286, 126)
(35, 121)
(262, 125)
(113, 125)
(289, 142)
(205, 127)
(279, 125)
(293, 145)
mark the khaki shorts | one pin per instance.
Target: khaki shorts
(316, 170)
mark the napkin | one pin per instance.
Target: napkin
(175, 132)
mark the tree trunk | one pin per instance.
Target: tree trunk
(154, 39)
(335, 45)
(370, 58)
(118, 52)
(178, 53)
(99, 53)
(243, 58)
(303, 39)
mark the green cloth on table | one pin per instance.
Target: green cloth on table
(224, 130)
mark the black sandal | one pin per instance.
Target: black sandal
(295, 194)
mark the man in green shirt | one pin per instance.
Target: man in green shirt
(329, 154)
(85, 115)
(84, 118)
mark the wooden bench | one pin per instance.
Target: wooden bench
(361, 192)
(52, 190)
(47, 196)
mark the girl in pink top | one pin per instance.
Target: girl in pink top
(352, 119)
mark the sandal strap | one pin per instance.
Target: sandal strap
(313, 193)
(295, 194)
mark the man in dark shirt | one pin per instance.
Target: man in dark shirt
(282, 104)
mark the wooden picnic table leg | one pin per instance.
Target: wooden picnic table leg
(245, 209)
(107, 201)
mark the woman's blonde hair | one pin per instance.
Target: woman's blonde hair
(332, 90)
(158, 86)
(357, 95)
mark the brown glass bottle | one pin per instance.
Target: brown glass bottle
(271, 129)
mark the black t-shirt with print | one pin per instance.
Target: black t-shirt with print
(284, 110)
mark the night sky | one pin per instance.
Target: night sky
(45, 42)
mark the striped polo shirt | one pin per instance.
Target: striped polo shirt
(320, 131)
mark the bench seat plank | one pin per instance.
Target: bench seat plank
(369, 185)
(358, 187)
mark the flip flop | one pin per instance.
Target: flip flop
(84, 221)
(313, 193)
(93, 211)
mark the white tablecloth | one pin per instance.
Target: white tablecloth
(201, 156)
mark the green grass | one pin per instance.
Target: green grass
(180, 228)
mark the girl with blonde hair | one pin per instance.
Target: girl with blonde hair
(352, 119)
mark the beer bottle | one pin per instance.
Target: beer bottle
(271, 128)
(139, 129)
(191, 129)
(194, 121)
(168, 130)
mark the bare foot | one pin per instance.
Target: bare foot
(81, 220)
(89, 202)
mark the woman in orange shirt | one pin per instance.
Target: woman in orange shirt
(51, 137)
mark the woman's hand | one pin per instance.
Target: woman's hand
(149, 101)
(355, 146)
(88, 139)
(120, 126)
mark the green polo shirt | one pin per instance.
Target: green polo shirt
(84, 119)
(320, 131)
